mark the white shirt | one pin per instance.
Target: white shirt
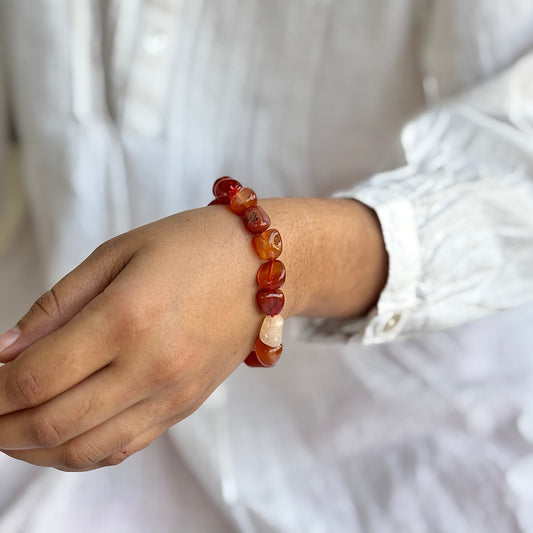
(126, 111)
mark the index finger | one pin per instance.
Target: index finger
(59, 361)
(67, 297)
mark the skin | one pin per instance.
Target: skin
(145, 329)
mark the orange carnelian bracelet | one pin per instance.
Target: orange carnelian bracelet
(271, 274)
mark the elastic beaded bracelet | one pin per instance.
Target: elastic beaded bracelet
(271, 274)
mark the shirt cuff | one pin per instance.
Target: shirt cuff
(393, 311)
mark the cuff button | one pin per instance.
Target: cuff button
(392, 322)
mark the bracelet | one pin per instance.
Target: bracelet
(271, 274)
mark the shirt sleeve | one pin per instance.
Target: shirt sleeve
(457, 219)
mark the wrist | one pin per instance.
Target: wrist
(335, 255)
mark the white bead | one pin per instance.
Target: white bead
(271, 330)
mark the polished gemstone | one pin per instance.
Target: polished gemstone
(225, 187)
(255, 219)
(272, 330)
(268, 244)
(271, 275)
(267, 355)
(270, 301)
(242, 200)
(251, 360)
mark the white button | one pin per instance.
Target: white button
(392, 322)
(155, 43)
(383, 327)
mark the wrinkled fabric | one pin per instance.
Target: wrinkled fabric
(458, 215)
(126, 111)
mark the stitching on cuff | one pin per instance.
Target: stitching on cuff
(398, 298)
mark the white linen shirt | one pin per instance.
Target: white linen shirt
(126, 111)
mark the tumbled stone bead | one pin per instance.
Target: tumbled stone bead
(251, 360)
(225, 187)
(217, 183)
(272, 330)
(268, 244)
(267, 355)
(270, 301)
(271, 275)
(255, 219)
(242, 200)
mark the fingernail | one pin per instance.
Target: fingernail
(8, 338)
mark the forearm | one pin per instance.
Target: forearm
(334, 252)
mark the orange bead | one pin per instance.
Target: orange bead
(242, 200)
(252, 360)
(268, 244)
(270, 301)
(255, 219)
(225, 187)
(266, 355)
(271, 275)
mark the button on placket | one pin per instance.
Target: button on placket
(155, 42)
(149, 81)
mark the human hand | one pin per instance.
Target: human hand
(130, 342)
(140, 334)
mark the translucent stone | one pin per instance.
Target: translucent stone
(272, 330)
(242, 200)
(268, 244)
(271, 275)
(225, 187)
(256, 220)
(270, 301)
(267, 355)
(251, 360)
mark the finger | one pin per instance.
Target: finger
(86, 451)
(115, 458)
(94, 401)
(136, 445)
(60, 360)
(67, 298)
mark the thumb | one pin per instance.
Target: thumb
(67, 298)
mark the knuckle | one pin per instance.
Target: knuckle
(185, 401)
(194, 401)
(164, 372)
(110, 247)
(128, 317)
(129, 311)
(104, 248)
(78, 457)
(23, 388)
(48, 304)
(176, 364)
(172, 369)
(45, 433)
(169, 369)
(115, 458)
